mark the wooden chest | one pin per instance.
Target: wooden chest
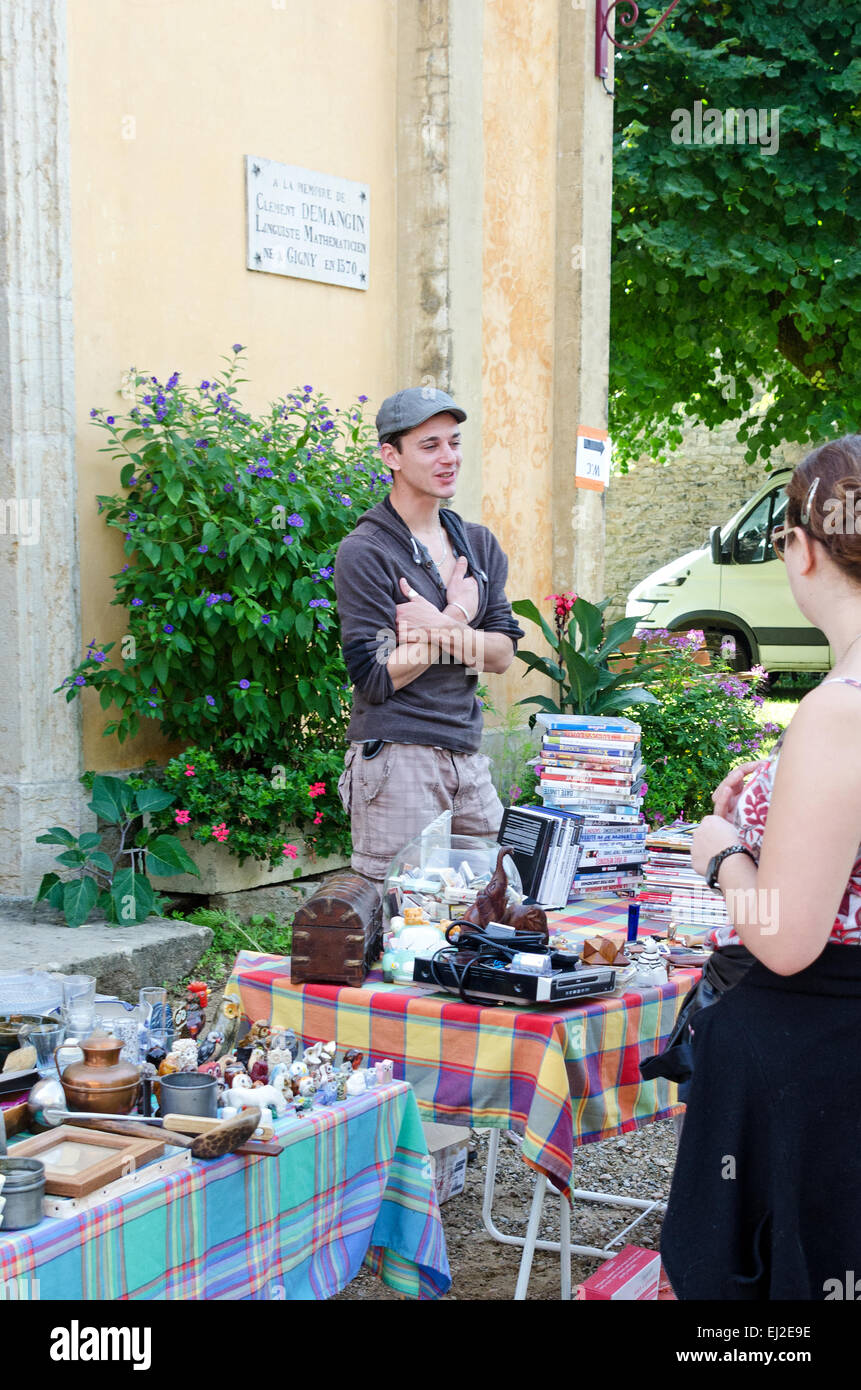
(337, 933)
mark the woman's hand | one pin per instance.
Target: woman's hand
(711, 836)
(461, 589)
(725, 797)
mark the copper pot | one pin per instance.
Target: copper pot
(101, 1084)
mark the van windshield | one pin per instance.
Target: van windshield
(753, 537)
(776, 488)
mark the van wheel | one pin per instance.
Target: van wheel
(739, 660)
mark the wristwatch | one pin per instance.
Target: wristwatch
(717, 859)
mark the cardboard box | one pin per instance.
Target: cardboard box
(634, 1275)
(448, 1146)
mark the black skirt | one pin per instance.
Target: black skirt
(766, 1196)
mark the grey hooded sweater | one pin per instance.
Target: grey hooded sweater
(439, 707)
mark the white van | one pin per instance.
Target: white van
(735, 587)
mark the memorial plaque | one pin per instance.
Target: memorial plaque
(309, 225)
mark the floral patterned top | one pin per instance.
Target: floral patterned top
(749, 817)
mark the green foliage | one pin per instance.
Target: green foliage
(254, 807)
(264, 934)
(706, 722)
(585, 678)
(734, 266)
(231, 523)
(513, 777)
(122, 893)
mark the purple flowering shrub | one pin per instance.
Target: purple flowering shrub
(230, 523)
(705, 724)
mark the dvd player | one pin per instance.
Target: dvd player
(507, 985)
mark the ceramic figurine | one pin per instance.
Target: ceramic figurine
(279, 1056)
(354, 1057)
(651, 969)
(209, 1049)
(312, 1055)
(384, 1071)
(195, 1016)
(155, 1055)
(259, 1068)
(327, 1094)
(279, 1077)
(307, 1087)
(185, 1052)
(242, 1082)
(356, 1084)
(258, 1034)
(341, 1085)
(298, 1070)
(263, 1096)
(370, 1075)
(233, 1069)
(168, 1065)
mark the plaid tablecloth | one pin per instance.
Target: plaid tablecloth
(559, 1077)
(353, 1185)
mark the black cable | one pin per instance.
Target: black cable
(478, 947)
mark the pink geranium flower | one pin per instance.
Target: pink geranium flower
(182, 817)
(318, 817)
(317, 789)
(290, 851)
(220, 832)
(189, 769)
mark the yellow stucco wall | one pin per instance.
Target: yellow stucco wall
(166, 98)
(520, 95)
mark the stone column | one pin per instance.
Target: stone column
(40, 734)
(440, 149)
(583, 241)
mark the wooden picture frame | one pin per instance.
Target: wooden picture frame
(86, 1159)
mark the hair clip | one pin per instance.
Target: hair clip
(808, 502)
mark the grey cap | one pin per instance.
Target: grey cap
(407, 409)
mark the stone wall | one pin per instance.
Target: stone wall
(658, 511)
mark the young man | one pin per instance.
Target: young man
(421, 600)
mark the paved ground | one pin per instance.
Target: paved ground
(158, 951)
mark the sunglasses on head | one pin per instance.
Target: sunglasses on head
(779, 534)
(778, 540)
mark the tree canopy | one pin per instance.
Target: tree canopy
(737, 225)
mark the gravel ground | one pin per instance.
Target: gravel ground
(638, 1165)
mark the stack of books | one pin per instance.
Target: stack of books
(672, 889)
(591, 768)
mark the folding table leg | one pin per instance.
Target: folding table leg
(531, 1237)
(563, 1246)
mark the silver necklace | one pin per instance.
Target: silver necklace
(440, 559)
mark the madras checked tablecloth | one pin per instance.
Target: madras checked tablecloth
(559, 1077)
(353, 1185)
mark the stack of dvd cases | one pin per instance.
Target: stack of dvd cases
(591, 765)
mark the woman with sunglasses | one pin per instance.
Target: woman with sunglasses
(766, 1200)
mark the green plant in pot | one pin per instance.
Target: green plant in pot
(592, 674)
